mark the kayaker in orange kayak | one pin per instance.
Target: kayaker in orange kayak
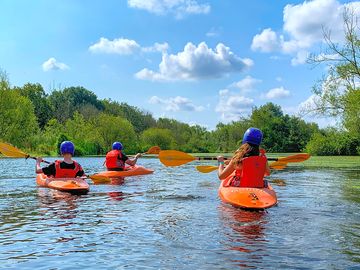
(67, 168)
(249, 162)
(115, 159)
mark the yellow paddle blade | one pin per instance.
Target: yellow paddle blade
(277, 165)
(206, 169)
(174, 157)
(99, 179)
(153, 150)
(294, 158)
(11, 151)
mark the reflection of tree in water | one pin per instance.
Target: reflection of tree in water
(61, 204)
(278, 182)
(351, 186)
(246, 234)
(350, 230)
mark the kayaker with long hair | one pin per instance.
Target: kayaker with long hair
(67, 168)
(249, 162)
(116, 159)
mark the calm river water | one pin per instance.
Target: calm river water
(173, 219)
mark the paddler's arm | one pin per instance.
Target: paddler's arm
(223, 171)
(133, 161)
(38, 169)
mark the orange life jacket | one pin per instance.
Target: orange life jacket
(112, 161)
(252, 172)
(66, 173)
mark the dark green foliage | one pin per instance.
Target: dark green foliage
(139, 119)
(332, 142)
(17, 117)
(157, 136)
(39, 100)
(72, 99)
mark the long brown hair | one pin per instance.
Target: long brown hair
(245, 150)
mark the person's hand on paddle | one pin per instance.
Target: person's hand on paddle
(138, 155)
(37, 165)
(220, 160)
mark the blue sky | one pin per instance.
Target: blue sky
(197, 61)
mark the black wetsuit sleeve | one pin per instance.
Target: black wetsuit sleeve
(124, 157)
(49, 170)
(80, 172)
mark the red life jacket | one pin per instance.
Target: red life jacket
(112, 160)
(66, 173)
(252, 172)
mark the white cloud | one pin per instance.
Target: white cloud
(330, 86)
(117, 46)
(157, 47)
(279, 92)
(125, 46)
(303, 27)
(196, 62)
(309, 104)
(267, 41)
(301, 57)
(232, 106)
(306, 110)
(53, 64)
(304, 22)
(246, 85)
(178, 7)
(176, 104)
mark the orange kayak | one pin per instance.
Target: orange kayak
(247, 197)
(71, 185)
(106, 176)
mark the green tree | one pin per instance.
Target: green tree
(228, 137)
(140, 120)
(72, 99)
(157, 136)
(17, 119)
(337, 93)
(200, 141)
(180, 131)
(38, 97)
(114, 128)
(84, 135)
(333, 142)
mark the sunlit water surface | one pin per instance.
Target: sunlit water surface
(173, 219)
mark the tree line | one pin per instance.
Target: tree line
(38, 122)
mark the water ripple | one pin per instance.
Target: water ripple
(173, 219)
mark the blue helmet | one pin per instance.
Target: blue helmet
(252, 136)
(117, 146)
(67, 147)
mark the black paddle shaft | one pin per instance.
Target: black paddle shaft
(214, 158)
